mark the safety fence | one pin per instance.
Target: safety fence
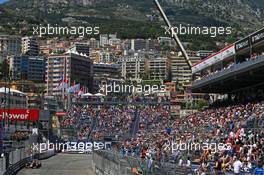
(113, 163)
(17, 166)
(17, 159)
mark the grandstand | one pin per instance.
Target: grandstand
(142, 132)
(142, 127)
(238, 72)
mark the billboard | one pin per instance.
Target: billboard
(242, 44)
(250, 40)
(257, 37)
(214, 58)
(19, 114)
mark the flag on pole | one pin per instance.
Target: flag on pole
(81, 91)
(74, 88)
(63, 83)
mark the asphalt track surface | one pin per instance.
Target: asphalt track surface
(63, 164)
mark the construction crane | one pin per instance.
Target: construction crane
(174, 35)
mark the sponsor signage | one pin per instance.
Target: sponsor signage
(257, 37)
(251, 40)
(215, 58)
(228, 52)
(19, 114)
(61, 114)
(242, 44)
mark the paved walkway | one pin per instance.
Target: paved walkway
(63, 164)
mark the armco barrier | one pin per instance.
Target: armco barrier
(2, 166)
(13, 157)
(15, 167)
(45, 155)
(111, 163)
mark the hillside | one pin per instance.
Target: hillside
(133, 18)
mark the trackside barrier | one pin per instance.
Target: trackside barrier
(111, 163)
(45, 155)
(15, 167)
(13, 157)
(2, 166)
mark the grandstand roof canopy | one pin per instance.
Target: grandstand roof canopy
(246, 74)
(243, 46)
(6, 90)
(243, 74)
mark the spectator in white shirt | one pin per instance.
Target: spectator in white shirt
(237, 166)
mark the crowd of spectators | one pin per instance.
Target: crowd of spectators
(100, 121)
(73, 115)
(239, 127)
(20, 135)
(113, 121)
(126, 99)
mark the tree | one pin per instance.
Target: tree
(202, 104)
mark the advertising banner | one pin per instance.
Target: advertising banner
(242, 44)
(214, 58)
(19, 114)
(257, 37)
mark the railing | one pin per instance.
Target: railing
(124, 103)
(113, 163)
